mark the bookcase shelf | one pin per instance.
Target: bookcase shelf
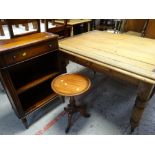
(27, 69)
(36, 82)
(37, 97)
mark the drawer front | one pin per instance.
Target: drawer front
(27, 53)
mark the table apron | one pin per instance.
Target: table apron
(96, 67)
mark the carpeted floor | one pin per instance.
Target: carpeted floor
(109, 102)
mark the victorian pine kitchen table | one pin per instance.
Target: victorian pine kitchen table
(123, 56)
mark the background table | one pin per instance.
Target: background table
(74, 22)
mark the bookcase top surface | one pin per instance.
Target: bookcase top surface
(19, 42)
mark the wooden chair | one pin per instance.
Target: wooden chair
(150, 29)
(60, 29)
(1, 34)
(106, 24)
(71, 85)
(134, 26)
(1, 28)
(11, 22)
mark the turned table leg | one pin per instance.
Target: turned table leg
(94, 73)
(72, 31)
(88, 26)
(144, 94)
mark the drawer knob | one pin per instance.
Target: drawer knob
(50, 45)
(24, 54)
(14, 57)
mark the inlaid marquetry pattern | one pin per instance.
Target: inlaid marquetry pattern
(70, 84)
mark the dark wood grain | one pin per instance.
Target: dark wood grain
(28, 64)
(136, 25)
(60, 29)
(36, 82)
(17, 43)
(24, 22)
(1, 28)
(150, 29)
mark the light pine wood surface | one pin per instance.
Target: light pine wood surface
(127, 54)
(120, 55)
(75, 21)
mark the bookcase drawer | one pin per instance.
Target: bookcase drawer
(27, 53)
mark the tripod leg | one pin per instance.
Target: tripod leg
(69, 122)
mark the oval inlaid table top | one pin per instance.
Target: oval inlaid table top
(70, 84)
